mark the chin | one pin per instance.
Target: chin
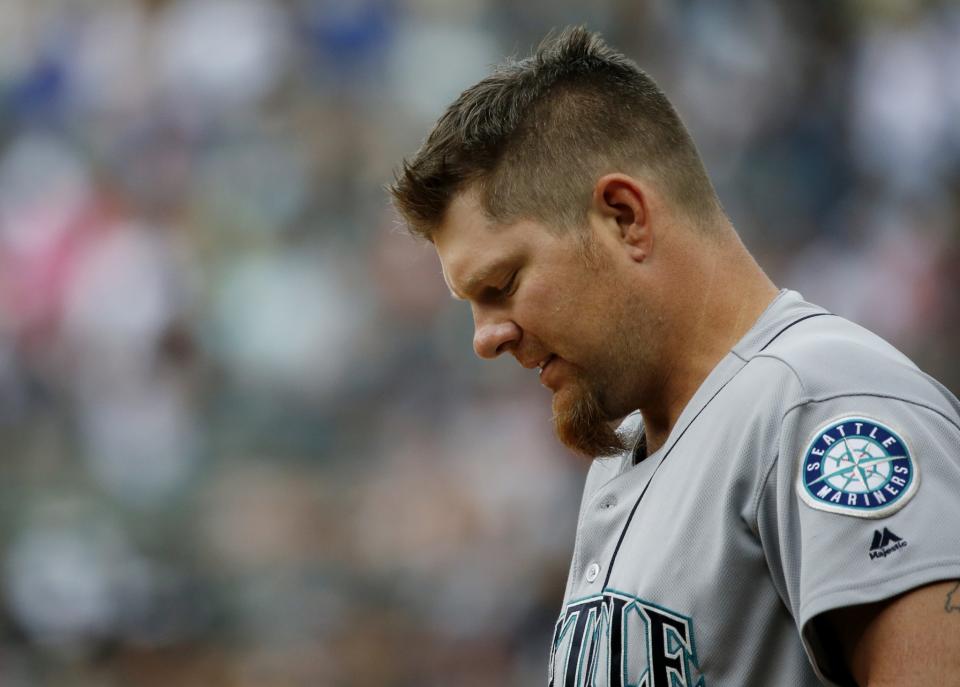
(582, 425)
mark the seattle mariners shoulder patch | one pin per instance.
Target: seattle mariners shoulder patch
(857, 466)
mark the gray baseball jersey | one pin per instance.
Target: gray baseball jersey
(816, 467)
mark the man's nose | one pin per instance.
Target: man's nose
(490, 339)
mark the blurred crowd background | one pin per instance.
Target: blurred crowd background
(244, 437)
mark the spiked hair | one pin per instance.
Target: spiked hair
(535, 135)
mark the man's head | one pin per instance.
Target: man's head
(534, 136)
(543, 188)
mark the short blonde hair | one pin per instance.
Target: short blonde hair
(536, 134)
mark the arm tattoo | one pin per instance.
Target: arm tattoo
(953, 599)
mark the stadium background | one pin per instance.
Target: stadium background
(245, 440)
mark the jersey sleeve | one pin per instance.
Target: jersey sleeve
(862, 503)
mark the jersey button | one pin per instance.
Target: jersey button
(592, 572)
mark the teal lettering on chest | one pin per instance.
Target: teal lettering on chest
(621, 640)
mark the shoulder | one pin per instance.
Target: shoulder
(855, 420)
(830, 357)
(825, 378)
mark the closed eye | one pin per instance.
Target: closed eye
(493, 294)
(511, 286)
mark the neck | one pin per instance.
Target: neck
(723, 293)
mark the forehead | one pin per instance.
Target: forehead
(472, 248)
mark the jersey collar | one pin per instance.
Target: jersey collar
(784, 311)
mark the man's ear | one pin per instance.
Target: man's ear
(623, 200)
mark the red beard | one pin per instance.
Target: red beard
(582, 425)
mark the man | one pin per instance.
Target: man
(781, 505)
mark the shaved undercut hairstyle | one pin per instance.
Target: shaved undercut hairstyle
(535, 135)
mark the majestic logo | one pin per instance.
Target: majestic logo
(857, 466)
(884, 543)
(619, 640)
